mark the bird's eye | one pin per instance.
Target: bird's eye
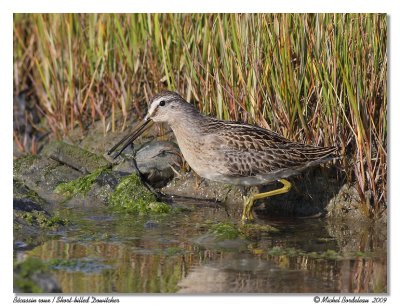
(162, 103)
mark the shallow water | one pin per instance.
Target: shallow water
(109, 252)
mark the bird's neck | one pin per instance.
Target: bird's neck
(188, 121)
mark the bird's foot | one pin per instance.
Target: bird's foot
(247, 214)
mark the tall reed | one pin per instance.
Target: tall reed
(316, 78)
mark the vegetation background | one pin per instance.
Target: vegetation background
(315, 78)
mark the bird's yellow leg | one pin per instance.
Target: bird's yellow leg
(247, 214)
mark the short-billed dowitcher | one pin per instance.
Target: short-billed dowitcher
(230, 152)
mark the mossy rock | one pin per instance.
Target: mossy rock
(293, 252)
(33, 217)
(42, 175)
(224, 231)
(41, 219)
(26, 199)
(80, 185)
(133, 197)
(228, 230)
(256, 231)
(24, 162)
(75, 157)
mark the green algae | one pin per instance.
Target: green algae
(21, 191)
(23, 272)
(132, 196)
(293, 252)
(42, 220)
(23, 162)
(80, 185)
(255, 231)
(330, 254)
(281, 251)
(224, 231)
(228, 230)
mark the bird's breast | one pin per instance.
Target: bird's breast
(196, 150)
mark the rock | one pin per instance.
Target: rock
(43, 175)
(92, 190)
(346, 204)
(32, 217)
(75, 157)
(103, 187)
(309, 196)
(358, 235)
(125, 167)
(132, 196)
(26, 205)
(154, 161)
(193, 187)
(25, 199)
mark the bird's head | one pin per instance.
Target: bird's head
(167, 106)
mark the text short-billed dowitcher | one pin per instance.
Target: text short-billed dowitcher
(230, 152)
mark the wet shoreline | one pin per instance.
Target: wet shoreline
(312, 240)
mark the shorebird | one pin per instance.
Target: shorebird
(230, 152)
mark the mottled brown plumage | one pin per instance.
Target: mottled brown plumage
(232, 152)
(249, 155)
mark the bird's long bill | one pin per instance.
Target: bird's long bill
(128, 139)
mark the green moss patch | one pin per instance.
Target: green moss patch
(254, 231)
(24, 162)
(330, 254)
(23, 272)
(132, 197)
(281, 251)
(228, 230)
(80, 185)
(21, 191)
(224, 231)
(41, 219)
(293, 252)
